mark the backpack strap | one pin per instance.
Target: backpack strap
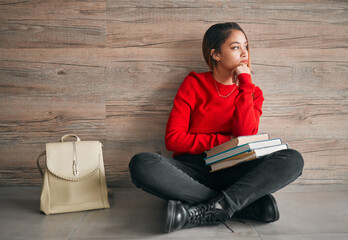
(38, 162)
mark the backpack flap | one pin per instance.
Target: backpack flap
(74, 161)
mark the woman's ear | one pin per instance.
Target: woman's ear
(215, 55)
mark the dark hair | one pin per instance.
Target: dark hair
(215, 36)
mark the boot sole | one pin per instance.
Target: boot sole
(168, 227)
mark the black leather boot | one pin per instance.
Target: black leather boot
(264, 209)
(183, 215)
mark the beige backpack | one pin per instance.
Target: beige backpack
(74, 177)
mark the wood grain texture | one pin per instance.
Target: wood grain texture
(271, 23)
(109, 71)
(46, 24)
(41, 101)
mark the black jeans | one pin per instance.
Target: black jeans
(188, 179)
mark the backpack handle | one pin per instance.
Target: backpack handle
(70, 135)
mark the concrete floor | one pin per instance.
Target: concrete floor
(314, 212)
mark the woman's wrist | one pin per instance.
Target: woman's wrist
(244, 81)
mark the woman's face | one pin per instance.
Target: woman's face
(233, 51)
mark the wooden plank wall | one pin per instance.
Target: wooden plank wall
(109, 70)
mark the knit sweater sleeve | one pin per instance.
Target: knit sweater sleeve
(178, 138)
(248, 106)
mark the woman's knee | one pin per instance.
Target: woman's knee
(139, 163)
(294, 160)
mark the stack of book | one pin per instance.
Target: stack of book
(241, 149)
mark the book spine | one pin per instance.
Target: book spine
(212, 161)
(247, 145)
(222, 165)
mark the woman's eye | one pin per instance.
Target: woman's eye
(237, 47)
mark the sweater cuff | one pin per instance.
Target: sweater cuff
(245, 82)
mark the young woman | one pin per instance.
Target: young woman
(209, 109)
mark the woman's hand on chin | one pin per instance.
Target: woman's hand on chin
(243, 68)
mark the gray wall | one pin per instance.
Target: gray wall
(109, 70)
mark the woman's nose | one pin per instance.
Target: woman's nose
(244, 52)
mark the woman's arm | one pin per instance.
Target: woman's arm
(178, 138)
(248, 106)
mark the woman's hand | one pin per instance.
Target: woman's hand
(239, 70)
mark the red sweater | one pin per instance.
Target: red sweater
(201, 119)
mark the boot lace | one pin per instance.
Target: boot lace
(206, 214)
